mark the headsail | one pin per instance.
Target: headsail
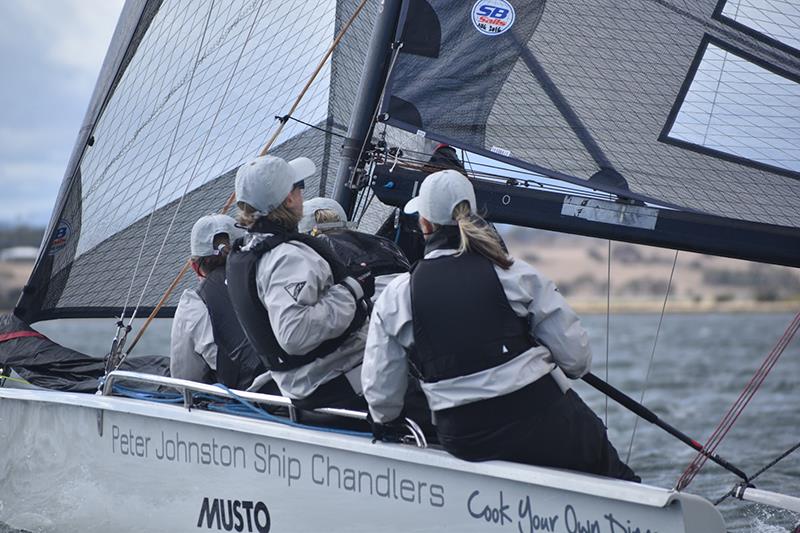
(667, 102)
(189, 91)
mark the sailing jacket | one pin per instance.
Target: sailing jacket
(193, 352)
(297, 297)
(237, 363)
(561, 343)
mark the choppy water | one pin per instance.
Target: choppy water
(702, 362)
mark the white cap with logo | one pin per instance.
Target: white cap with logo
(310, 207)
(439, 194)
(266, 181)
(204, 230)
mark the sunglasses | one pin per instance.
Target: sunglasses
(299, 185)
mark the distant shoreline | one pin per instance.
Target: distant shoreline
(683, 307)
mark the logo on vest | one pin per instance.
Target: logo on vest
(294, 289)
(505, 349)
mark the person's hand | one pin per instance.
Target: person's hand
(392, 431)
(363, 275)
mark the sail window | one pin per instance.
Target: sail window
(777, 21)
(734, 108)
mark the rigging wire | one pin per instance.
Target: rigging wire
(608, 320)
(167, 162)
(194, 173)
(186, 188)
(652, 354)
(232, 197)
(412, 163)
(119, 341)
(397, 46)
(741, 402)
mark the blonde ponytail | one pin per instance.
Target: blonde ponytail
(479, 237)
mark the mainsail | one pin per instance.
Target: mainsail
(690, 105)
(189, 90)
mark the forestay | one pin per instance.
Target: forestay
(189, 90)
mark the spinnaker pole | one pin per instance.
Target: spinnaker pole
(370, 88)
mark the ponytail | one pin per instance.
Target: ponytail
(478, 237)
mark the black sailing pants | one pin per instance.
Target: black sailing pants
(546, 428)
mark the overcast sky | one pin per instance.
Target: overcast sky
(50, 55)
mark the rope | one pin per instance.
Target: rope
(608, 320)
(231, 199)
(741, 402)
(260, 413)
(764, 469)
(242, 407)
(652, 354)
(313, 76)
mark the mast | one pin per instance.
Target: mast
(370, 88)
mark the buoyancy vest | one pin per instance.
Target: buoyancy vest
(237, 362)
(381, 256)
(463, 322)
(242, 268)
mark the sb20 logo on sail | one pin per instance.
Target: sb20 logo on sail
(492, 17)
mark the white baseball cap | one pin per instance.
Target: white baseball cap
(204, 230)
(266, 181)
(439, 194)
(310, 207)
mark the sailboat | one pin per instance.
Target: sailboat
(649, 121)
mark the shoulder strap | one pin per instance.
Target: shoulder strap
(279, 235)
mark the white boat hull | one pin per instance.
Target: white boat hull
(94, 463)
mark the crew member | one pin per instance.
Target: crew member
(324, 217)
(488, 337)
(297, 302)
(208, 344)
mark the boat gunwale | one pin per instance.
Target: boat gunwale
(551, 478)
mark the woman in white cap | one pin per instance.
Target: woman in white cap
(298, 304)
(325, 218)
(207, 342)
(490, 339)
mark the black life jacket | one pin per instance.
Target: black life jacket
(237, 362)
(381, 256)
(463, 322)
(253, 316)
